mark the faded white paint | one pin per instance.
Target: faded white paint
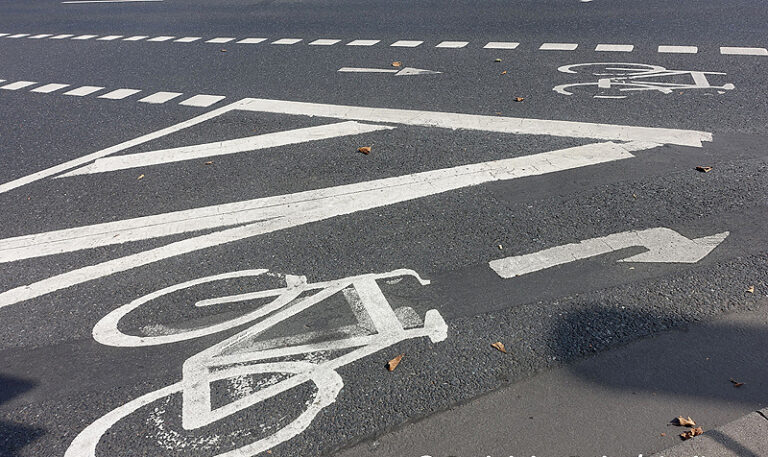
(664, 246)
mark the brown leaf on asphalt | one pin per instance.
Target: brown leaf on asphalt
(751, 289)
(397, 64)
(210, 162)
(703, 169)
(736, 383)
(504, 72)
(140, 178)
(392, 364)
(365, 150)
(663, 434)
(500, 346)
(497, 60)
(223, 50)
(691, 433)
(519, 99)
(684, 421)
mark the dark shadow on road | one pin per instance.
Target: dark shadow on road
(14, 436)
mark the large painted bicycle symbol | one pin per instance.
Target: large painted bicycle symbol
(379, 326)
(618, 80)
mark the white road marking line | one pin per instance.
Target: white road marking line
(160, 97)
(252, 40)
(287, 41)
(727, 50)
(366, 70)
(109, 38)
(220, 40)
(48, 172)
(324, 42)
(42, 35)
(62, 36)
(73, 2)
(270, 214)
(220, 148)
(83, 91)
(501, 45)
(498, 124)
(678, 49)
(362, 42)
(161, 38)
(614, 48)
(558, 46)
(664, 246)
(18, 85)
(2, 80)
(187, 39)
(120, 94)
(48, 88)
(84, 37)
(135, 38)
(18, 35)
(610, 96)
(202, 100)
(406, 43)
(452, 44)
(4, 34)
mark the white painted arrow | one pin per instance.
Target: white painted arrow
(664, 246)
(407, 71)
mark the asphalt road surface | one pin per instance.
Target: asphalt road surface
(198, 261)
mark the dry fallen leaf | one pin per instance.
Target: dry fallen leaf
(691, 433)
(498, 114)
(663, 434)
(751, 289)
(140, 178)
(365, 150)
(223, 50)
(703, 169)
(210, 162)
(497, 60)
(500, 346)
(684, 422)
(392, 364)
(504, 72)
(397, 64)
(736, 383)
(519, 99)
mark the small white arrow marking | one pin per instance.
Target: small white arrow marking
(664, 246)
(407, 71)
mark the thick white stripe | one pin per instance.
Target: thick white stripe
(678, 49)
(220, 40)
(4, 34)
(18, 85)
(84, 37)
(187, 39)
(501, 45)
(135, 38)
(251, 40)
(366, 70)
(202, 100)
(362, 42)
(406, 44)
(287, 41)
(614, 48)
(83, 91)
(558, 46)
(42, 35)
(62, 36)
(18, 35)
(120, 94)
(726, 50)
(160, 97)
(109, 38)
(452, 44)
(48, 88)
(270, 214)
(324, 42)
(219, 148)
(161, 38)
(478, 122)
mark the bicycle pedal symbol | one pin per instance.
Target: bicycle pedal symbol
(618, 80)
(378, 327)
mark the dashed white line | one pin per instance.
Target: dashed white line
(62, 36)
(220, 40)
(83, 91)
(159, 39)
(678, 49)
(501, 45)
(109, 38)
(727, 50)
(406, 43)
(48, 88)
(3, 34)
(40, 36)
(287, 41)
(18, 85)
(362, 42)
(119, 94)
(614, 48)
(252, 41)
(84, 37)
(452, 44)
(160, 97)
(202, 100)
(558, 47)
(18, 35)
(324, 42)
(135, 38)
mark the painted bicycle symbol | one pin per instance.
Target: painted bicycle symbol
(378, 327)
(617, 80)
